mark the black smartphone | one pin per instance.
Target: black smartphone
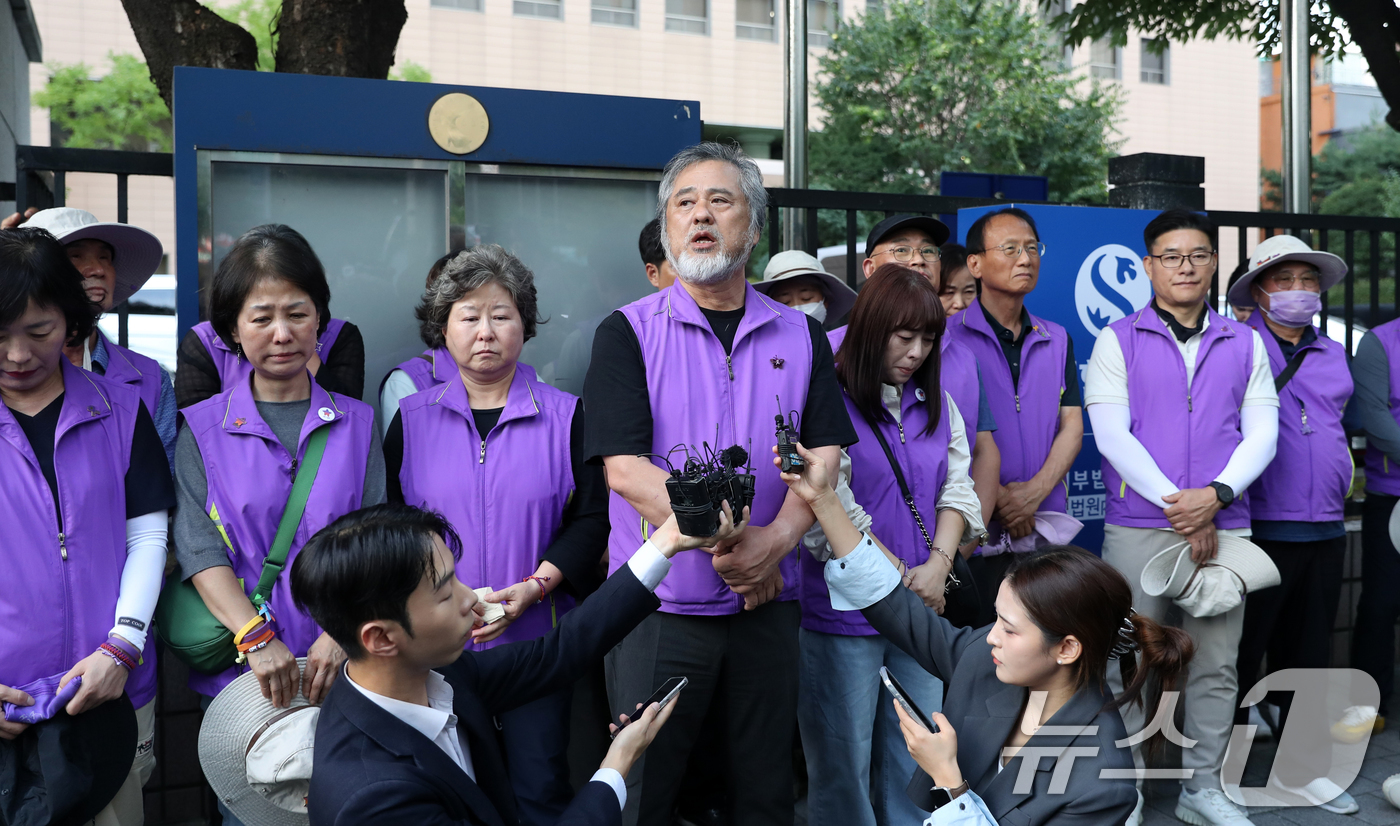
(905, 700)
(663, 695)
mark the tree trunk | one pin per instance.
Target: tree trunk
(184, 33)
(346, 38)
(1375, 27)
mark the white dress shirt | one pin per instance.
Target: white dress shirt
(436, 721)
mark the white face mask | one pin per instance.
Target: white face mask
(816, 309)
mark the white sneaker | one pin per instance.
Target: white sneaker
(1209, 807)
(1391, 789)
(1135, 819)
(1262, 731)
(1326, 795)
(1357, 722)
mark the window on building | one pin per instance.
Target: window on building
(1104, 60)
(821, 21)
(755, 20)
(464, 5)
(1156, 65)
(615, 12)
(874, 6)
(690, 16)
(552, 9)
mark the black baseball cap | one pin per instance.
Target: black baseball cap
(936, 229)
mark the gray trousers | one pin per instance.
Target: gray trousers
(1212, 682)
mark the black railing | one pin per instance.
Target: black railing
(32, 191)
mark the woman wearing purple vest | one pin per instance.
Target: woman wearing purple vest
(888, 366)
(238, 454)
(500, 455)
(87, 488)
(207, 363)
(427, 369)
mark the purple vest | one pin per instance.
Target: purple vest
(507, 505)
(1381, 475)
(924, 460)
(1028, 414)
(231, 366)
(1190, 432)
(430, 369)
(141, 372)
(250, 477)
(1309, 477)
(957, 375)
(698, 394)
(56, 611)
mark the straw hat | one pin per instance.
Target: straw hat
(794, 263)
(1239, 568)
(1276, 250)
(257, 757)
(138, 252)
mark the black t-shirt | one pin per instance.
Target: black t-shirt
(149, 487)
(1011, 349)
(485, 420)
(616, 390)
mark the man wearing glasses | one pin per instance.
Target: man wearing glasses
(1032, 387)
(1185, 415)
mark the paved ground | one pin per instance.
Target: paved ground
(1382, 760)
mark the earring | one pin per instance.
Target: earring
(238, 354)
(1061, 662)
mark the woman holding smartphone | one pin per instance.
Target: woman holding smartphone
(1028, 687)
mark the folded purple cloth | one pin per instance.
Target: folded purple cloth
(48, 699)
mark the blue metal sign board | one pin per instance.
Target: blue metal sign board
(312, 115)
(1091, 276)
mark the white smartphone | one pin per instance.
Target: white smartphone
(905, 700)
(663, 695)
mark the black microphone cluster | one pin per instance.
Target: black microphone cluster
(698, 490)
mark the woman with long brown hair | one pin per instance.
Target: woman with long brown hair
(1029, 687)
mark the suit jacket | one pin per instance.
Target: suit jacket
(372, 768)
(983, 710)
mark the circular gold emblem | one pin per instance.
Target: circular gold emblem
(458, 123)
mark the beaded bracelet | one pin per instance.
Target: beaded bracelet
(540, 581)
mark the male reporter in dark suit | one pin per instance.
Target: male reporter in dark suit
(397, 741)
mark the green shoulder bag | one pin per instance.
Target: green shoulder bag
(185, 624)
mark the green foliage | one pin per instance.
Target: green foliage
(411, 72)
(121, 110)
(1359, 174)
(957, 85)
(260, 18)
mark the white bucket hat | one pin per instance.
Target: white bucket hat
(793, 263)
(1276, 250)
(1239, 569)
(137, 252)
(257, 757)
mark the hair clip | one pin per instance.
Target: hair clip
(1125, 644)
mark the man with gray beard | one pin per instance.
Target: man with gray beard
(701, 362)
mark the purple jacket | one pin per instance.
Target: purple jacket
(250, 477)
(132, 368)
(957, 375)
(507, 505)
(430, 369)
(924, 460)
(698, 394)
(1028, 414)
(59, 599)
(1381, 476)
(1309, 477)
(231, 367)
(1190, 432)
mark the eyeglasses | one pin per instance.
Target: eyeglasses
(1173, 260)
(906, 254)
(1310, 280)
(1013, 251)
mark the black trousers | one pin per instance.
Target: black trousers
(1292, 623)
(987, 573)
(749, 661)
(1373, 641)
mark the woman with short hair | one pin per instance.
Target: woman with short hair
(86, 491)
(208, 363)
(500, 454)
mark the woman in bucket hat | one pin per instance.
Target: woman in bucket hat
(115, 262)
(240, 452)
(87, 489)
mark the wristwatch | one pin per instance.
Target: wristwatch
(1223, 493)
(942, 795)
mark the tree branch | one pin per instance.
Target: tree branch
(1375, 27)
(345, 38)
(184, 33)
